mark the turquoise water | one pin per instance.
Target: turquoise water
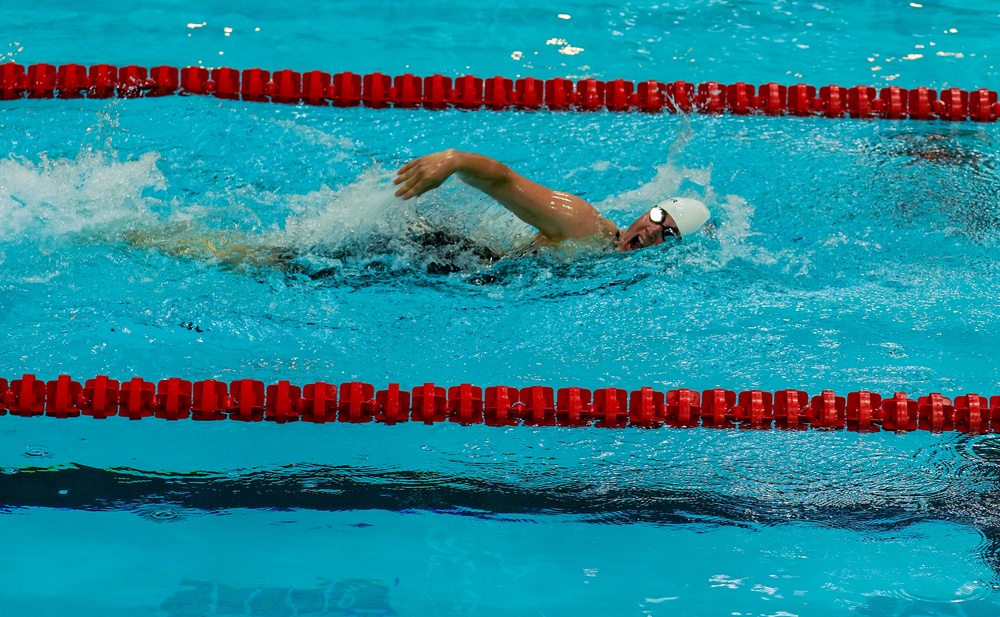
(843, 255)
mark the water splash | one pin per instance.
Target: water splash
(369, 207)
(91, 195)
(355, 229)
(364, 223)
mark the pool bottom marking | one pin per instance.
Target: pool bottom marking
(356, 596)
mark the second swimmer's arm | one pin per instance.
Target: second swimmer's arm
(555, 214)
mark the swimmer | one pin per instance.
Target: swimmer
(556, 215)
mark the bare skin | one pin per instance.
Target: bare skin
(184, 240)
(556, 215)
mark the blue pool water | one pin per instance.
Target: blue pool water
(843, 255)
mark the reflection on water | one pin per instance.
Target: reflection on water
(941, 180)
(881, 606)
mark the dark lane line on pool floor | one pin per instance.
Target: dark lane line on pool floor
(353, 489)
(176, 497)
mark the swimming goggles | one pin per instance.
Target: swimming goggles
(658, 215)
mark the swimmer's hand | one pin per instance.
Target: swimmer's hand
(425, 173)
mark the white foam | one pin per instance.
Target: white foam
(323, 217)
(368, 207)
(92, 194)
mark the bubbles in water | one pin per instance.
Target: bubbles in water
(36, 452)
(160, 514)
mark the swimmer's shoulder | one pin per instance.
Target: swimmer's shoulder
(541, 243)
(600, 232)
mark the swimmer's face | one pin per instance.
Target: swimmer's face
(645, 231)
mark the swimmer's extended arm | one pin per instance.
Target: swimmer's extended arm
(555, 214)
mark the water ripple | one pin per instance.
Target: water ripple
(161, 513)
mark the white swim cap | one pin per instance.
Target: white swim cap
(689, 214)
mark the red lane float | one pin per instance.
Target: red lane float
(225, 84)
(833, 101)
(164, 80)
(250, 400)
(377, 91)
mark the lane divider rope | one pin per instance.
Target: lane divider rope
(377, 90)
(251, 400)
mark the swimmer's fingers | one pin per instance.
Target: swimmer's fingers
(406, 175)
(425, 173)
(403, 174)
(414, 184)
(407, 167)
(417, 177)
(407, 179)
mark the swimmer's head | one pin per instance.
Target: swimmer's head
(674, 218)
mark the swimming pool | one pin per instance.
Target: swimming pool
(847, 255)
